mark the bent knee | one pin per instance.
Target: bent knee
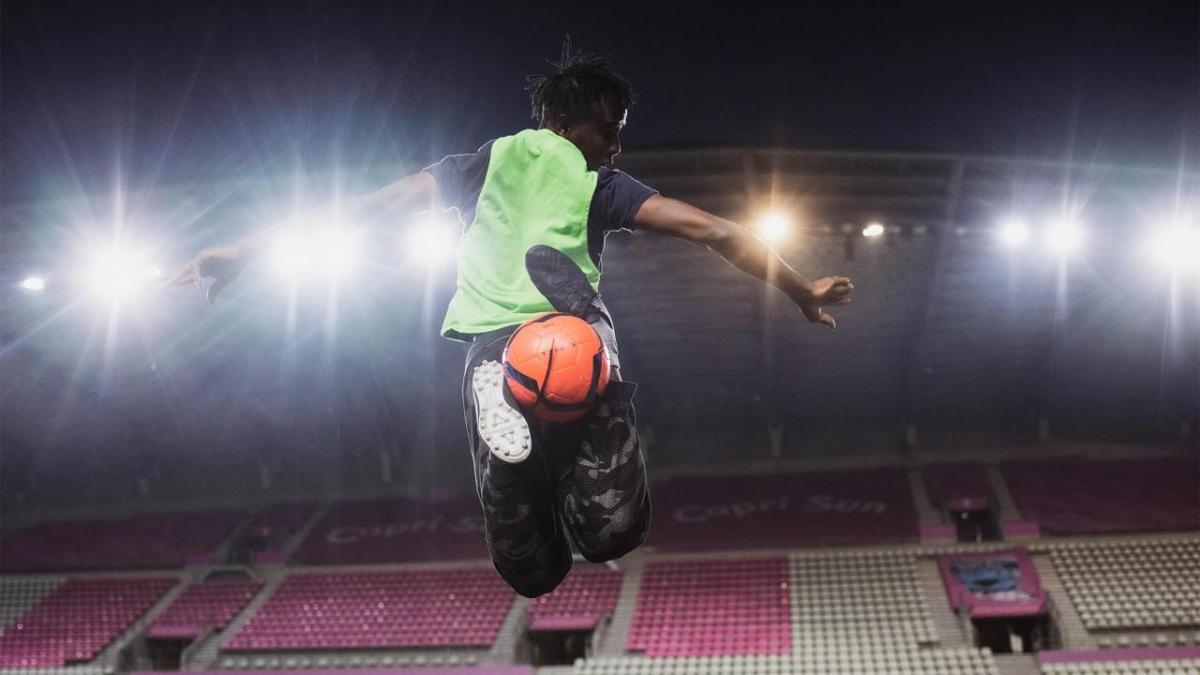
(535, 584)
(615, 543)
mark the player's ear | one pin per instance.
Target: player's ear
(560, 125)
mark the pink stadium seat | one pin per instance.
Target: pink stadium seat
(425, 608)
(711, 608)
(77, 620)
(201, 605)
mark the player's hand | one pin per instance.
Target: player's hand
(222, 264)
(826, 292)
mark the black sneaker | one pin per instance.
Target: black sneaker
(562, 282)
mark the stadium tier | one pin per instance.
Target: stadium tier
(148, 541)
(435, 608)
(586, 596)
(210, 604)
(77, 620)
(1076, 495)
(703, 608)
(1117, 585)
(949, 481)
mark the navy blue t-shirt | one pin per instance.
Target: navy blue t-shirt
(616, 201)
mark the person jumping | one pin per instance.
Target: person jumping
(536, 207)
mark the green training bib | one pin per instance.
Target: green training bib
(537, 191)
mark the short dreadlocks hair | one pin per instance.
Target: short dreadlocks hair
(578, 83)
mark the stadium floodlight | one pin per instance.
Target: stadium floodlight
(304, 254)
(1064, 237)
(873, 230)
(774, 226)
(1176, 248)
(431, 242)
(1013, 233)
(34, 284)
(119, 271)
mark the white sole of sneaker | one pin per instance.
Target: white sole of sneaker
(501, 427)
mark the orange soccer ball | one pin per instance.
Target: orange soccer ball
(556, 366)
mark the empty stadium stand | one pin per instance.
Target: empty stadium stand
(861, 600)
(583, 598)
(147, 541)
(439, 608)
(713, 607)
(1133, 584)
(204, 605)
(1077, 495)
(75, 622)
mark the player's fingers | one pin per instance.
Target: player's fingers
(218, 286)
(828, 321)
(197, 278)
(843, 300)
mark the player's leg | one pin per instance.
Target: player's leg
(603, 489)
(604, 496)
(521, 526)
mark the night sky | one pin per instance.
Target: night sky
(148, 94)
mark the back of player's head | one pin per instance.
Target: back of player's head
(576, 86)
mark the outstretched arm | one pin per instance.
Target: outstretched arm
(411, 194)
(746, 252)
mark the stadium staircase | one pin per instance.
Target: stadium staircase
(289, 547)
(108, 660)
(951, 633)
(1008, 506)
(612, 643)
(204, 656)
(511, 635)
(1070, 625)
(926, 514)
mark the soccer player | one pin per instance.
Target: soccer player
(537, 206)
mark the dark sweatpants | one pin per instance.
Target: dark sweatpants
(583, 486)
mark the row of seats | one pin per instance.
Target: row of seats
(925, 662)
(332, 661)
(1179, 639)
(1132, 584)
(76, 621)
(379, 609)
(1162, 667)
